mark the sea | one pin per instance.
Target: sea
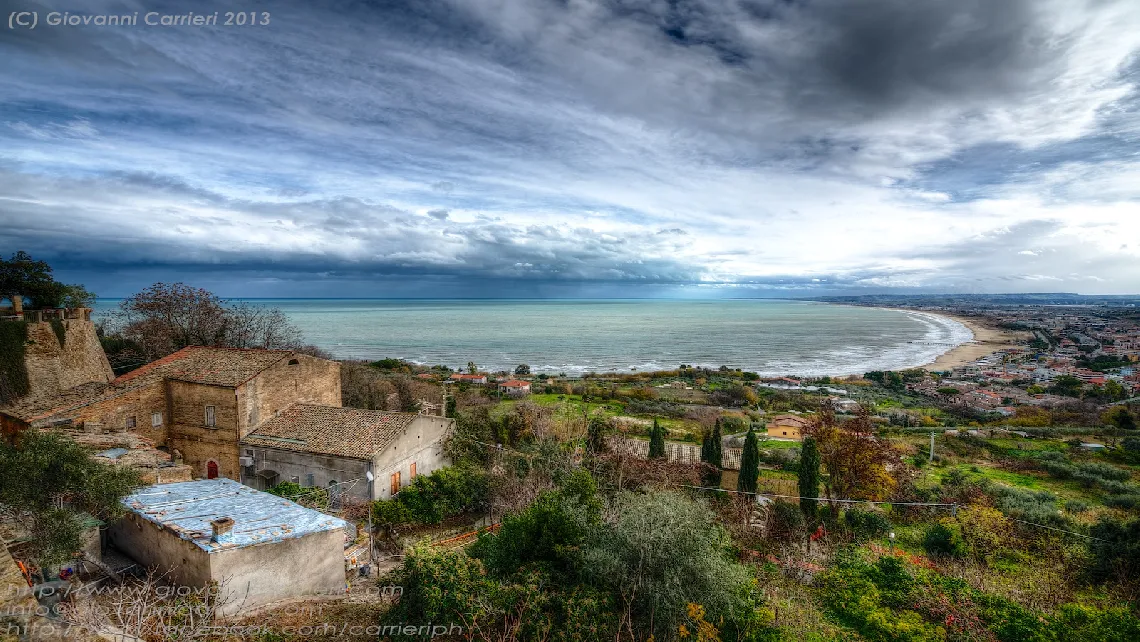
(770, 337)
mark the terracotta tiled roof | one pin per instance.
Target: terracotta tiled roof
(515, 383)
(35, 407)
(330, 430)
(229, 367)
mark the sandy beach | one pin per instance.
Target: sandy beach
(987, 340)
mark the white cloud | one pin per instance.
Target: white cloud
(531, 139)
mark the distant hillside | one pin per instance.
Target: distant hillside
(984, 300)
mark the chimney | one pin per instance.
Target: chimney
(223, 527)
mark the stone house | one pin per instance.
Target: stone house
(340, 447)
(196, 403)
(258, 548)
(255, 416)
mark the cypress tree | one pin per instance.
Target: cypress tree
(809, 478)
(749, 464)
(656, 441)
(706, 446)
(596, 435)
(717, 446)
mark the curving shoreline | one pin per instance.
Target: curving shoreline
(987, 340)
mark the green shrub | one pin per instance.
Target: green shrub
(1126, 502)
(1115, 549)
(448, 587)
(785, 519)
(945, 539)
(1079, 622)
(1037, 506)
(1105, 471)
(549, 532)
(1076, 506)
(662, 551)
(866, 523)
(430, 499)
(856, 591)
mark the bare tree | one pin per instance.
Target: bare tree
(256, 326)
(167, 317)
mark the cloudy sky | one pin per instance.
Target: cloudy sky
(580, 147)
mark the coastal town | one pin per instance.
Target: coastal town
(263, 478)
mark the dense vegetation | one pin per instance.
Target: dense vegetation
(54, 486)
(1011, 540)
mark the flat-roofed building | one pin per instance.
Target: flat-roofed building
(258, 548)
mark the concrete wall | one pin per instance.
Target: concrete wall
(256, 575)
(249, 576)
(53, 368)
(421, 443)
(153, 546)
(324, 468)
(189, 434)
(309, 380)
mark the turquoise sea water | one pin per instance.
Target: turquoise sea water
(766, 336)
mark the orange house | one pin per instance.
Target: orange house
(787, 427)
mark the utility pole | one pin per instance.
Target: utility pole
(932, 447)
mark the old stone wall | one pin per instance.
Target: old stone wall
(141, 403)
(54, 367)
(189, 434)
(300, 379)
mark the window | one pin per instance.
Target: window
(395, 483)
(210, 419)
(295, 479)
(155, 419)
(130, 422)
(309, 481)
(211, 470)
(412, 471)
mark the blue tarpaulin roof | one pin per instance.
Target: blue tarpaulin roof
(187, 508)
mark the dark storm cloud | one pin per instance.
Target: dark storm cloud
(764, 143)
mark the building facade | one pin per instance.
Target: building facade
(340, 448)
(787, 427)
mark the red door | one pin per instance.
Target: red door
(212, 470)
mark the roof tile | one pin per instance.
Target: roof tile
(329, 430)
